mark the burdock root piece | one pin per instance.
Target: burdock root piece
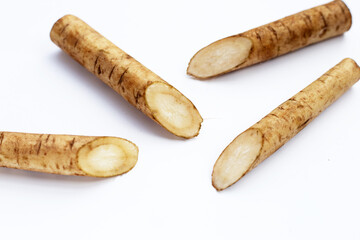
(271, 40)
(261, 140)
(138, 85)
(67, 154)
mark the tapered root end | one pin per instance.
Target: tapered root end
(220, 57)
(237, 159)
(173, 110)
(107, 157)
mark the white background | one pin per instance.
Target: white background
(309, 189)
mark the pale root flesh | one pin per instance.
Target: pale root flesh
(172, 110)
(106, 157)
(237, 158)
(219, 57)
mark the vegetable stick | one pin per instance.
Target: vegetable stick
(271, 40)
(67, 154)
(138, 85)
(261, 140)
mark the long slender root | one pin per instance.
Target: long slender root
(271, 40)
(67, 154)
(138, 85)
(261, 140)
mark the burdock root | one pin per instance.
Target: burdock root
(261, 140)
(271, 40)
(138, 85)
(67, 154)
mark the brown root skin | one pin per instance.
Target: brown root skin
(271, 40)
(122, 73)
(265, 137)
(67, 154)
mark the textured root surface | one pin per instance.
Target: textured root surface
(271, 40)
(67, 154)
(119, 70)
(282, 124)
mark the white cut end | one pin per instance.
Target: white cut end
(220, 57)
(107, 156)
(237, 158)
(173, 110)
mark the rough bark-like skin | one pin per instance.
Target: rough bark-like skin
(112, 65)
(42, 152)
(292, 116)
(295, 31)
(284, 122)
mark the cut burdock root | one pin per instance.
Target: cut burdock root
(271, 40)
(67, 154)
(261, 140)
(138, 85)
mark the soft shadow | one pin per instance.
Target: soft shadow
(24, 176)
(121, 106)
